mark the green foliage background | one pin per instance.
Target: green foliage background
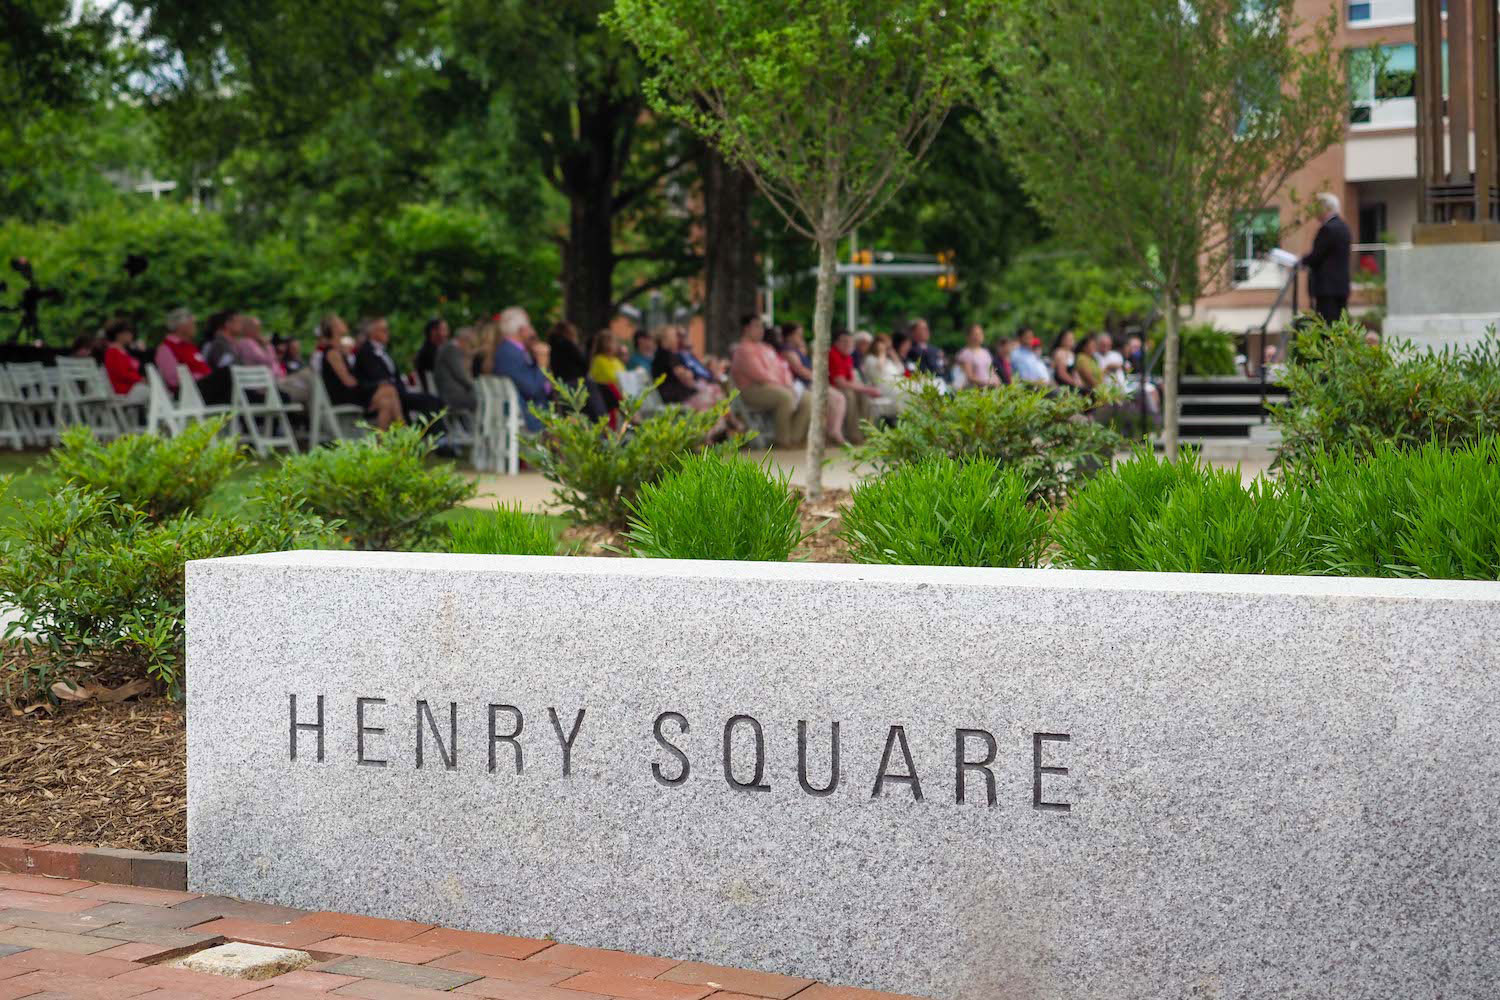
(430, 258)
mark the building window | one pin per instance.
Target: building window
(1383, 85)
(1255, 234)
(1367, 13)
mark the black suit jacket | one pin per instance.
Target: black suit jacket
(370, 370)
(1328, 263)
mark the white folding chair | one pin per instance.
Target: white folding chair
(510, 427)
(497, 426)
(461, 428)
(190, 404)
(11, 431)
(161, 411)
(259, 408)
(37, 408)
(487, 399)
(326, 422)
(84, 396)
(632, 382)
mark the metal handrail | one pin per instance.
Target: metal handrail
(1265, 331)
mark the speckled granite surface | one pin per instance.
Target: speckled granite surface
(1275, 787)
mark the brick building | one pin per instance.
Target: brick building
(1374, 171)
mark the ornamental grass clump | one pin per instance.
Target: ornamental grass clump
(1100, 527)
(1431, 512)
(509, 531)
(942, 512)
(1046, 438)
(1185, 517)
(383, 488)
(716, 507)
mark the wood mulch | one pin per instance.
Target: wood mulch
(106, 775)
(823, 518)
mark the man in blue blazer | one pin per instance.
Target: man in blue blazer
(514, 361)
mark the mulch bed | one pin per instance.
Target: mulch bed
(823, 518)
(102, 775)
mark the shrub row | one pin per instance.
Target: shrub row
(1427, 512)
(94, 568)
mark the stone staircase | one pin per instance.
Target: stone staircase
(1223, 415)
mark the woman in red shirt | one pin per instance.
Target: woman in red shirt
(843, 382)
(123, 370)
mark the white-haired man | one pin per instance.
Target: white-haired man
(1328, 262)
(514, 360)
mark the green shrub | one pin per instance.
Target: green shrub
(1346, 395)
(510, 531)
(1100, 526)
(716, 507)
(160, 477)
(1427, 512)
(1045, 438)
(1185, 517)
(940, 512)
(599, 470)
(1205, 350)
(98, 586)
(382, 488)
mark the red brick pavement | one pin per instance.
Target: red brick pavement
(70, 937)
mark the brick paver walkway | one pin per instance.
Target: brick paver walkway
(94, 941)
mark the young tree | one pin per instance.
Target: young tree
(828, 104)
(1145, 130)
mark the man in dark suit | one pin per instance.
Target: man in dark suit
(927, 357)
(1328, 263)
(373, 365)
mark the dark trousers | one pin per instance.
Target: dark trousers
(420, 404)
(1330, 308)
(214, 387)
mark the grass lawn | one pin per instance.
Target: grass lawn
(28, 481)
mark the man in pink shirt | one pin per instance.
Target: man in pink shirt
(765, 383)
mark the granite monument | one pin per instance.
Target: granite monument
(962, 784)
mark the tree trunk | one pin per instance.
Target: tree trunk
(590, 167)
(1169, 382)
(828, 251)
(731, 278)
(589, 261)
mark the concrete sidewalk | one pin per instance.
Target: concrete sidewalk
(534, 493)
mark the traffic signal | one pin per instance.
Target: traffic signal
(948, 280)
(864, 282)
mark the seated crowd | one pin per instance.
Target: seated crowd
(769, 367)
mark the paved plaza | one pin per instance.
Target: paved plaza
(63, 937)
